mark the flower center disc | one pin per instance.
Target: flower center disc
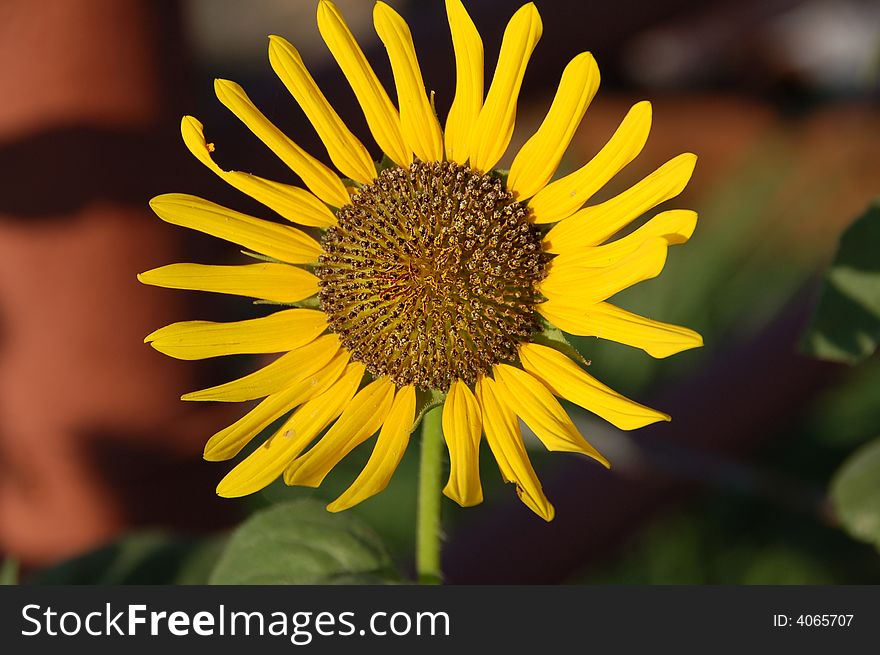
(431, 274)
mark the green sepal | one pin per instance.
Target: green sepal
(262, 258)
(384, 164)
(431, 99)
(272, 260)
(501, 173)
(427, 400)
(308, 303)
(553, 337)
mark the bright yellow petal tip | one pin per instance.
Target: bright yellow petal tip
(567, 380)
(418, 123)
(266, 463)
(593, 225)
(390, 447)
(278, 332)
(363, 416)
(295, 204)
(462, 424)
(572, 284)
(347, 153)
(505, 441)
(266, 281)
(320, 180)
(494, 127)
(561, 198)
(468, 100)
(607, 321)
(538, 159)
(535, 405)
(382, 117)
(282, 242)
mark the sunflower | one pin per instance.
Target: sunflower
(428, 278)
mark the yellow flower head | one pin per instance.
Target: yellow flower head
(434, 278)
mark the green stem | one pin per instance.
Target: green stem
(430, 480)
(9, 572)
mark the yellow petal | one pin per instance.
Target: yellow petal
(539, 158)
(266, 463)
(319, 179)
(494, 126)
(568, 380)
(281, 242)
(390, 446)
(275, 282)
(229, 441)
(593, 225)
(278, 332)
(505, 441)
(560, 199)
(535, 405)
(381, 115)
(462, 425)
(418, 123)
(606, 321)
(359, 421)
(575, 285)
(346, 152)
(675, 226)
(296, 365)
(468, 98)
(295, 204)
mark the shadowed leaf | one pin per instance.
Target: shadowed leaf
(139, 558)
(855, 492)
(300, 542)
(846, 325)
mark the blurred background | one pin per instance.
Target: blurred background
(779, 98)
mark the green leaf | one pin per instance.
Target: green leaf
(846, 325)
(140, 558)
(300, 542)
(847, 415)
(782, 564)
(855, 494)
